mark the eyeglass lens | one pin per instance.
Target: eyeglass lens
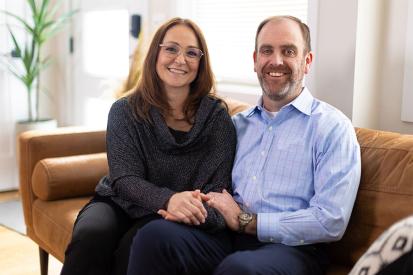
(174, 50)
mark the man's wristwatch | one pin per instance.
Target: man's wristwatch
(244, 219)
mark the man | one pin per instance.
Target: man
(297, 166)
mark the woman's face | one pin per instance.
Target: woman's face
(178, 62)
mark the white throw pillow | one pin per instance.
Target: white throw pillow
(392, 244)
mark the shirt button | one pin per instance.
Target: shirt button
(254, 178)
(301, 241)
(270, 128)
(271, 240)
(262, 153)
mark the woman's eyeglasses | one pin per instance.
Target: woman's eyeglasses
(173, 50)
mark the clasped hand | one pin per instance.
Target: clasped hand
(185, 207)
(226, 205)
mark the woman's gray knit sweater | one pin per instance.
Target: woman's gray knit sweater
(147, 166)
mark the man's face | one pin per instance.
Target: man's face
(280, 60)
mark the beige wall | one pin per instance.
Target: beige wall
(369, 49)
(364, 76)
(332, 74)
(392, 67)
(379, 68)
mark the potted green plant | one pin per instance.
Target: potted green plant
(26, 61)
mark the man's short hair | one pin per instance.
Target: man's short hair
(305, 30)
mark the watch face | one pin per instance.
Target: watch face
(245, 216)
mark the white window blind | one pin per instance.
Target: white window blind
(229, 27)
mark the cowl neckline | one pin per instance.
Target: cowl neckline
(196, 136)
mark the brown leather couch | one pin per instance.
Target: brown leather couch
(59, 170)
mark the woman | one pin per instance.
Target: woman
(166, 143)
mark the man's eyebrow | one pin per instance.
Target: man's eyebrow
(266, 46)
(289, 46)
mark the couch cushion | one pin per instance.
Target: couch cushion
(66, 177)
(385, 193)
(53, 222)
(235, 106)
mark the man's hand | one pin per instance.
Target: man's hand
(225, 204)
(185, 207)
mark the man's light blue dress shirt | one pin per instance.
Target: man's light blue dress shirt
(299, 171)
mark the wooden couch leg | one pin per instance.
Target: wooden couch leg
(44, 261)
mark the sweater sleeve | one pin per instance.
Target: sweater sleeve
(222, 144)
(127, 169)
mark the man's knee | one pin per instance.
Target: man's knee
(158, 235)
(237, 263)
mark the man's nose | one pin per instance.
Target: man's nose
(277, 59)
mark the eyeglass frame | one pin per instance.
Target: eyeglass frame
(188, 58)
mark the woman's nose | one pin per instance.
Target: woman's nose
(180, 58)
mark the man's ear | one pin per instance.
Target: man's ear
(254, 56)
(308, 61)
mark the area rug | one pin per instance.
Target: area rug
(11, 215)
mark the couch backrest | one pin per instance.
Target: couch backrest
(385, 194)
(235, 106)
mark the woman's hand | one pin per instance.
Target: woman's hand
(185, 207)
(225, 204)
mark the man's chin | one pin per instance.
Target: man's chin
(276, 95)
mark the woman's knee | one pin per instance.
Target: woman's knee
(96, 226)
(236, 263)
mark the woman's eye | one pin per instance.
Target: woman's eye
(171, 49)
(191, 53)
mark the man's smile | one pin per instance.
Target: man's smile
(276, 74)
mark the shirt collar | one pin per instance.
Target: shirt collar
(303, 102)
(257, 108)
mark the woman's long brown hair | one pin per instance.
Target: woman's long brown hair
(150, 92)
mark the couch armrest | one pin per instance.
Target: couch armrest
(34, 146)
(68, 177)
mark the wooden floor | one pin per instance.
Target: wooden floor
(19, 255)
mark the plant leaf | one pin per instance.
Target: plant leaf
(44, 8)
(32, 4)
(24, 22)
(16, 45)
(11, 68)
(55, 8)
(45, 63)
(58, 25)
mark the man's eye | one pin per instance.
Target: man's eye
(290, 52)
(266, 51)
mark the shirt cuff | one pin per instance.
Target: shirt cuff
(271, 229)
(267, 225)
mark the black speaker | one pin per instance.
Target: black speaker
(135, 28)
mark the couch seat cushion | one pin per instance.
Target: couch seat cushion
(53, 222)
